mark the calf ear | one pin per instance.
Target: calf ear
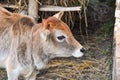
(59, 15)
(45, 34)
(5, 12)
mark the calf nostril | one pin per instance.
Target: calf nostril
(82, 50)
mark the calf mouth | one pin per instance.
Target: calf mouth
(78, 53)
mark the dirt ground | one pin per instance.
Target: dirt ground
(94, 65)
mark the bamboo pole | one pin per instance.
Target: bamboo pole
(59, 8)
(33, 9)
(116, 50)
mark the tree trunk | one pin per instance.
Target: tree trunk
(116, 57)
(33, 9)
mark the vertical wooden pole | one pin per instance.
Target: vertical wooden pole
(116, 58)
(33, 9)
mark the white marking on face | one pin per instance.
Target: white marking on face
(77, 53)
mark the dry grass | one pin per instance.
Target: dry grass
(76, 69)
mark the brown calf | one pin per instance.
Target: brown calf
(26, 46)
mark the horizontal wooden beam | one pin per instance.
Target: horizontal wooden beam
(9, 6)
(59, 8)
(47, 8)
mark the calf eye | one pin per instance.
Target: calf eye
(61, 37)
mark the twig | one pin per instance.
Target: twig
(63, 76)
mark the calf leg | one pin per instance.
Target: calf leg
(12, 75)
(32, 76)
(12, 71)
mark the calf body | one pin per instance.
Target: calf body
(26, 46)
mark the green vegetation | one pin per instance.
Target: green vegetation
(111, 3)
(107, 29)
(94, 1)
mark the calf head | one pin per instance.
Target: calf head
(57, 38)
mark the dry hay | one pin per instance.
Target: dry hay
(76, 69)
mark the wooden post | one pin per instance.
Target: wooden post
(116, 57)
(33, 9)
